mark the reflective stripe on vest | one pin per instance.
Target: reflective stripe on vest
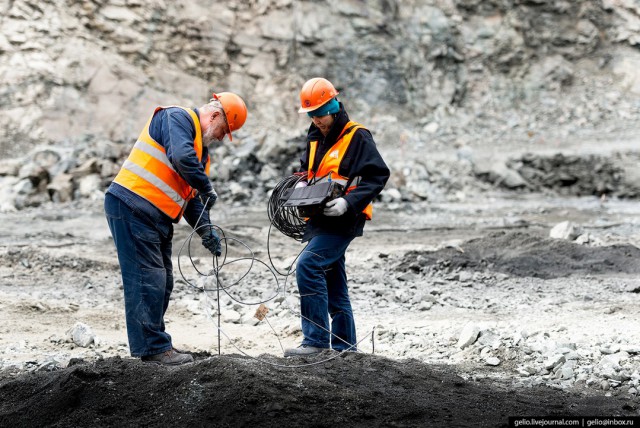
(148, 173)
(330, 163)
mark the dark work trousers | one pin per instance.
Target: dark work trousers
(147, 276)
(322, 282)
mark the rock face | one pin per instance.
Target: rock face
(84, 76)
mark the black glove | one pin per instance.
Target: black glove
(208, 199)
(211, 241)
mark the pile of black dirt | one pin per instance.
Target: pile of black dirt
(229, 391)
(570, 174)
(525, 255)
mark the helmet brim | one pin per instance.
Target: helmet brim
(317, 106)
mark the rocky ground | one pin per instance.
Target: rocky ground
(500, 276)
(457, 302)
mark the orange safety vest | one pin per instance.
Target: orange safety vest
(148, 173)
(330, 163)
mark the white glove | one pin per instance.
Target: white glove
(301, 183)
(336, 208)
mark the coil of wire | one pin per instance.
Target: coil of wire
(285, 219)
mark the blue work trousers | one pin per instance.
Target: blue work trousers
(322, 282)
(147, 275)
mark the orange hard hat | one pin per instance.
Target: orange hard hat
(234, 108)
(315, 93)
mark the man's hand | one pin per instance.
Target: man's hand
(211, 241)
(336, 208)
(208, 199)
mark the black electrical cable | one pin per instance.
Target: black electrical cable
(285, 219)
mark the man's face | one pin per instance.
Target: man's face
(216, 128)
(323, 123)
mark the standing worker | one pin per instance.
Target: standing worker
(342, 151)
(167, 167)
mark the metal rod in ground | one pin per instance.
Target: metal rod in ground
(373, 342)
(218, 291)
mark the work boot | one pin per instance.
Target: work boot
(303, 351)
(169, 358)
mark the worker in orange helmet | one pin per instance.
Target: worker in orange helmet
(343, 151)
(156, 186)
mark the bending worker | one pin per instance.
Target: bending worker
(343, 151)
(158, 184)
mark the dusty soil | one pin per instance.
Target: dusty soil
(416, 281)
(524, 255)
(355, 390)
(467, 312)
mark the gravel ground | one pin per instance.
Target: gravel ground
(455, 302)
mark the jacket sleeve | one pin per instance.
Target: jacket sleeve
(363, 160)
(178, 133)
(192, 214)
